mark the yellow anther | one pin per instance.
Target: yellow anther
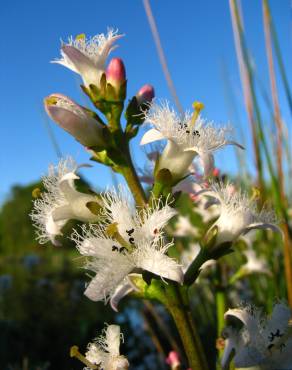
(113, 232)
(36, 192)
(256, 194)
(198, 106)
(74, 352)
(81, 36)
(51, 100)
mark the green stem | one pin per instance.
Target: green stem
(194, 269)
(186, 328)
(221, 308)
(133, 181)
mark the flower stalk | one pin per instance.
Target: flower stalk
(186, 327)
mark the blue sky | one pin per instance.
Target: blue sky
(197, 39)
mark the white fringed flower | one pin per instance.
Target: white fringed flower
(185, 139)
(263, 342)
(105, 350)
(238, 213)
(60, 202)
(135, 225)
(87, 57)
(254, 264)
(112, 262)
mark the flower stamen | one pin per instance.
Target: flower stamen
(198, 106)
(74, 352)
(113, 232)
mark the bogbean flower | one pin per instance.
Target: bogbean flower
(263, 342)
(87, 57)
(187, 137)
(254, 264)
(238, 213)
(112, 261)
(135, 224)
(104, 351)
(74, 119)
(61, 202)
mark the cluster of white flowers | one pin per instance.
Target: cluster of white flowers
(135, 244)
(119, 241)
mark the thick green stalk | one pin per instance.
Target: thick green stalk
(186, 328)
(130, 175)
(220, 308)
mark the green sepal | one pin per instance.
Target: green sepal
(131, 131)
(210, 238)
(111, 94)
(162, 184)
(194, 269)
(133, 113)
(154, 291)
(103, 157)
(149, 276)
(222, 250)
(123, 91)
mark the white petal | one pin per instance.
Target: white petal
(122, 290)
(94, 354)
(150, 136)
(62, 213)
(155, 261)
(261, 225)
(231, 142)
(154, 222)
(53, 229)
(251, 322)
(82, 64)
(228, 353)
(113, 337)
(111, 269)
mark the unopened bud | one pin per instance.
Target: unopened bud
(173, 360)
(145, 94)
(216, 172)
(116, 73)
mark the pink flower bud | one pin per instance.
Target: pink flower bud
(75, 119)
(145, 94)
(216, 172)
(173, 360)
(116, 73)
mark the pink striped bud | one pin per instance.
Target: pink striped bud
(116, 73)
(145, 94)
